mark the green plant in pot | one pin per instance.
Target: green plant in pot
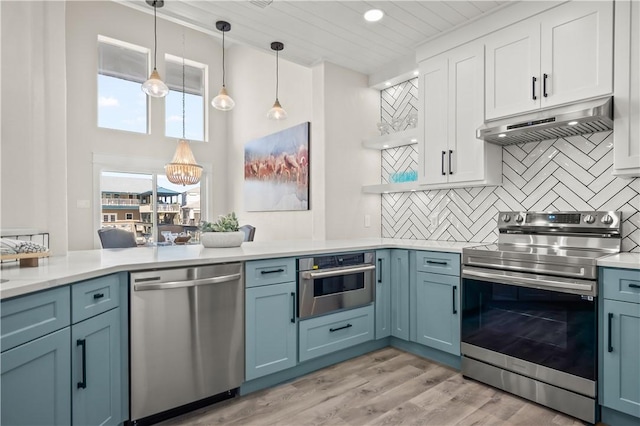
(221, 233)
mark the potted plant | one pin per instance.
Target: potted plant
(222, 233)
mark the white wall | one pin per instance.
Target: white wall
(34, 119)
(87, 20)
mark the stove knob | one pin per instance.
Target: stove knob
(519, 218)
(607, 220)
(506, 218)
(589, 219)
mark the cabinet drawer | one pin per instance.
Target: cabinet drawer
(438, 262)
(92, 297)
(621, 284)
(270, 271)
(323, 335)
(29, 317)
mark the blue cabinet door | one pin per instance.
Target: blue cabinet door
(383, 293)
(36, 382)
(438, 311)
(621, 349)
(95, 375)
(400, 294)
(271, 334)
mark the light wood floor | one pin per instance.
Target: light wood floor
(386, 387)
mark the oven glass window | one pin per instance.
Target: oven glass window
(557, 330)
(339, 284)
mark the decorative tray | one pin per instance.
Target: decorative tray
(26, 259)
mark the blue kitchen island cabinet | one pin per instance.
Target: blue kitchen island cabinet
(621, 342)
(400, 294)
(383, 293)
(271, 329)
(36, 381)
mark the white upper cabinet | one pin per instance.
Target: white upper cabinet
(451, 96)
(626, 120)
(557, 57)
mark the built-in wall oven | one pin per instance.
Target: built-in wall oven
(335, 282)
(529, 307)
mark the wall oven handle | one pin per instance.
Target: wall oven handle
(609, 328)
(293, 304)
(336, 272)
(340, 328)
(541, 282)
(455, 288)
(187, 283)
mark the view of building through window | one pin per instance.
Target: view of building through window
(127, 202)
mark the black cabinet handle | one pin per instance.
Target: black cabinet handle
(82, 342)
(293, 304)
(450, 169)
(533, 88)
(379, 270)
(436, 262)
(98, 296)
(455, 310)
(610, 343)
(442, 162)
(273, 271)
(544, 85)
(634, 285)
(340, 328)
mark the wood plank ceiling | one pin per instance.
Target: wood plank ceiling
(334, 31)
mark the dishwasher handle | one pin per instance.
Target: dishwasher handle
(187, 283)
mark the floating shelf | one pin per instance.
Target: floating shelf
(393, 140)
(391, 187)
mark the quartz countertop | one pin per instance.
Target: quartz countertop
(621, 260)
(86, 264)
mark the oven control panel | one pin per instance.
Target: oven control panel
(567, 220)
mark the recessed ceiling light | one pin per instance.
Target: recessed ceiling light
(373, 15)
(502, 135)
(572, 123)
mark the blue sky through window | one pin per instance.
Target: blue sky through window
(194, 116)
(122, 105)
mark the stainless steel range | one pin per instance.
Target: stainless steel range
(529, 309)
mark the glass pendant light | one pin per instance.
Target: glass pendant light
(183, 169)
(277, 112)
(154, 86)
(223, 101)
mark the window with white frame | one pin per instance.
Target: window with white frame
(194, 99)
(128, 216)
(122, 68)
(111, 217)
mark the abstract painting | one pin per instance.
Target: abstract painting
(276, 171)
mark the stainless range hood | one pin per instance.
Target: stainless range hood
(576, 119)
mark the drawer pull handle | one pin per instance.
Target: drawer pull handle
(436, 262)
(634, 285)
(340, 328)
(98, 296)
(272, 271)
(83, 383)
(293, 303)
(610, 342)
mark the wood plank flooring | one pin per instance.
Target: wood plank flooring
(386, 387)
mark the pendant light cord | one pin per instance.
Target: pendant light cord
(223, 59)
(155, 37)
(183, 113)
(277, 74)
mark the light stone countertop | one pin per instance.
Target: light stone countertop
(621, 260)
(82, 265)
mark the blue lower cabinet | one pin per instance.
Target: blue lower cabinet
(438, 311)
(400, 294)
(36, 382)
(383, 293)
(621, 369)
(329, 333)
(271, 333)
(95, 374)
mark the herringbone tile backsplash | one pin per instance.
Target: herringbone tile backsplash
(565, 174)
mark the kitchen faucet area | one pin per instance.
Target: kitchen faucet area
(310, 212)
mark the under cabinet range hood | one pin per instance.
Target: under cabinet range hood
(576, 119)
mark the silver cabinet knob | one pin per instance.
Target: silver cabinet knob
(589, 219)
(506, 218)
(519, 218)
(607, 219)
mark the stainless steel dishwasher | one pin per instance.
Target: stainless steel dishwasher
(187, 337)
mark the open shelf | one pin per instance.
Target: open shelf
(393, 140)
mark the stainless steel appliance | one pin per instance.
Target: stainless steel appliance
(529, 309)
(187, 337)
(335, 282)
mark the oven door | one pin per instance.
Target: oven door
(329, 290)
(531, 327)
